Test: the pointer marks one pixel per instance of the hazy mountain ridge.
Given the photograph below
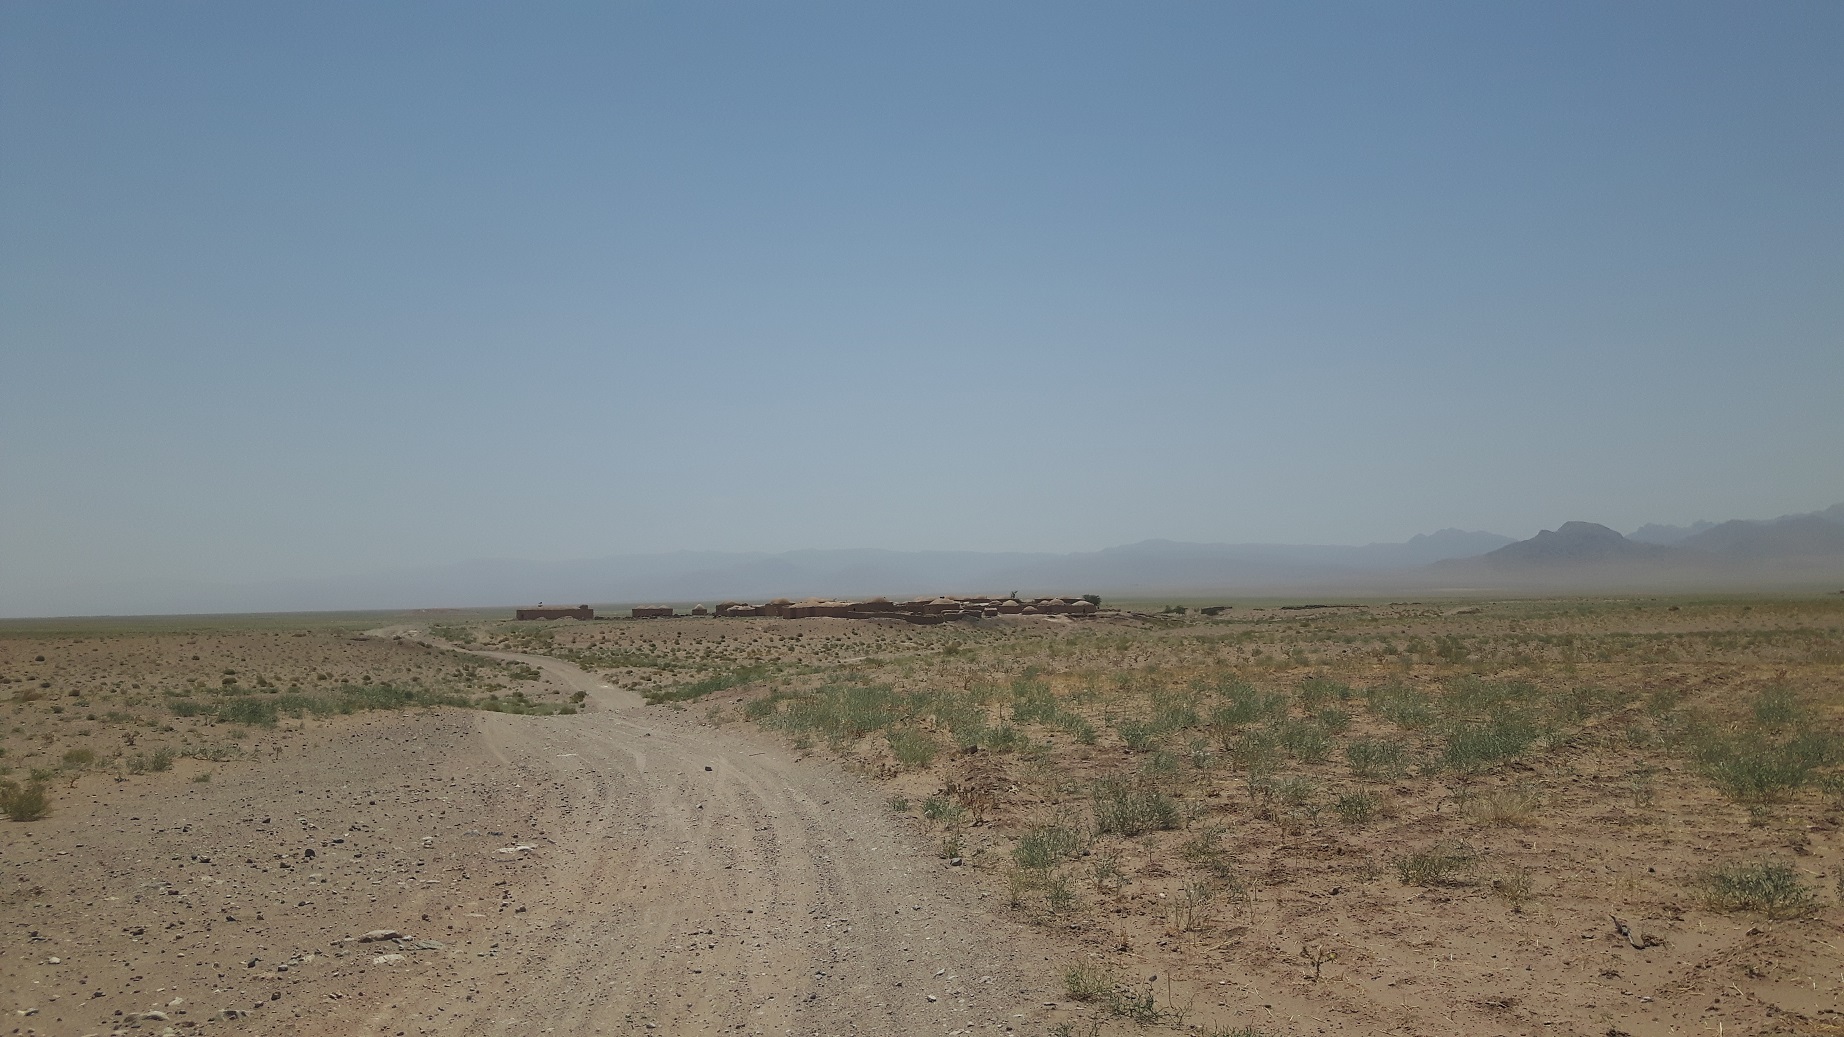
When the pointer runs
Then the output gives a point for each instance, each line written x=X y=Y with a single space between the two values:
x=1150 y=565
x=1654 y=533
x=1574 y=543
x=1791 y=550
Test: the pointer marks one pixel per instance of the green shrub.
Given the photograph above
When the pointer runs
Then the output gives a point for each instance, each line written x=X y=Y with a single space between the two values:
x=1317 y=691
x=247 y=711
x=1253 y=752
x=1002 y=739
x=912 y=748
x=1776 y=707
x=158 y=760
x=1205 y=845
x=938 y=808
x=1075 y=725
x=1046 y=846
x=1476 y=696
x=1175 y=710
x=1335 y=719
x=1768 y=887
x=1472 y=747
x=1377 y=758
x=349 y=698
x=1754 y=767
x=212 y=753
x=1401 y=704
x=1032 y=701
x=1517 y=888
x=1124 y=808
x=843 y=710
x=700 y=688
x=1304 y=740
x=1356 y=808
x=79 y=757
x=1087 y=983
x=27 y=802
x=1140 y=735
x=1244 y=706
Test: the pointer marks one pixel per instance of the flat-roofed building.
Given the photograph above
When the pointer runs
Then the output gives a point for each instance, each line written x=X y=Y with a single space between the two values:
x=555 y=612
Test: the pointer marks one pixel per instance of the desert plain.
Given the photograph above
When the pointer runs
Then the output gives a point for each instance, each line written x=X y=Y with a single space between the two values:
x=1605 y=816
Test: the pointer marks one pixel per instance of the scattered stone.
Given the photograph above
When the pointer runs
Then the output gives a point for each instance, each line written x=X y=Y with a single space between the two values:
x=380 y=935
x=387 y=959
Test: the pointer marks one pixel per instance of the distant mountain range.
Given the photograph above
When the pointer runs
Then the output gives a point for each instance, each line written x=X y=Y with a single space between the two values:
x=1787 y=551
x=1794 y=551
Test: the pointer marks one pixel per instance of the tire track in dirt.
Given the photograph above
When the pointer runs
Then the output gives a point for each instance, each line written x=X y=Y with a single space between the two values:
x=703 y=881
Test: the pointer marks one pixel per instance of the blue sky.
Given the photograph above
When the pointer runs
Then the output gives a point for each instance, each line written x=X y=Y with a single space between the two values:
x=307 y=289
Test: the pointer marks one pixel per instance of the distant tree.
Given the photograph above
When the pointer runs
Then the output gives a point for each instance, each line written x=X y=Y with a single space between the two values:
x=1092 y=599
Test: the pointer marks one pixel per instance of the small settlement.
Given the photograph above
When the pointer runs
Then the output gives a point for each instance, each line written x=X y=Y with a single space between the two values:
x=556 y=612
x=921 y=610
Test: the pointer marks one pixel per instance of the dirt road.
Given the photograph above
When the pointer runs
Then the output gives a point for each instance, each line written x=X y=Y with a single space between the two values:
x=704 y=881
x=626 y=870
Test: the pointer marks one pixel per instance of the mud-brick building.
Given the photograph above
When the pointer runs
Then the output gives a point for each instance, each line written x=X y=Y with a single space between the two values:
x=556 y=612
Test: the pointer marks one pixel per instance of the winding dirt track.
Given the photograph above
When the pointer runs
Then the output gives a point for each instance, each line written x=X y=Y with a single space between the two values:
x=703 y=881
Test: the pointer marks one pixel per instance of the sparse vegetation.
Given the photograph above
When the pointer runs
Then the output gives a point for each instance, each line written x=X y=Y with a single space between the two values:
x=1124 y=807
x=1045 y=846
x=1508 y=806
x=1517 y=888
x=1377 y=759
x=27 y=802
x=1087 y=983
x=1768 y=759
x=155 y=762
x=1182 y=785
x=1357 y=809
x=1444 y=864
x=1771 y=888
x=912 y=748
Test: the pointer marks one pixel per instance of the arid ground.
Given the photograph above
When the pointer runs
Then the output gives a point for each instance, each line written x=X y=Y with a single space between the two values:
x=1598 y=817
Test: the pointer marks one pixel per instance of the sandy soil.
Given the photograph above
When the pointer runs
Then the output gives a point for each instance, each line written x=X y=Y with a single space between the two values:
x=201 y=869
x=618 y=871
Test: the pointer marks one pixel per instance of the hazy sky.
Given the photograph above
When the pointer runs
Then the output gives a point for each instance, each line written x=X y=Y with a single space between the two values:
x=294 y=289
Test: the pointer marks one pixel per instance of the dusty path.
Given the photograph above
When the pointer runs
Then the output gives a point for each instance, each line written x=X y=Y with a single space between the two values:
x=702 y=881
x=626 y=870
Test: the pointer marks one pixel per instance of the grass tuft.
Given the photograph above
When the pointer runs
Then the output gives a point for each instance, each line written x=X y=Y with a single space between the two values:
x=1125 y=808
x=1444 y=864
x=1771 y=888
